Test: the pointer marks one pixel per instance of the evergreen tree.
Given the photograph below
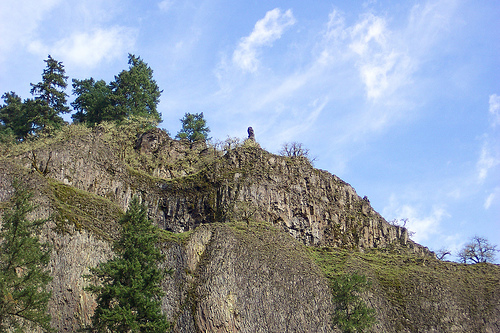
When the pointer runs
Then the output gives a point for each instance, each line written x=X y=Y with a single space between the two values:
x=135 y=92
x=23 y=272
x=51 y=89
x=194 y=127
x=129 y=298
x=351 y=314
x=11 y=109
x=93 y=102
x=13 y=117
x=50 y=96
x=40 y=114
x=6 y=134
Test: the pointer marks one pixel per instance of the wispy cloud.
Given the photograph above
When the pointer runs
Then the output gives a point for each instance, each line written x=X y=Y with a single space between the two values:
x=165 y=5
x=82 y=37
x=265 y=32
x=367 y=71
x=427 y=23
x=89 y=49
x=491 y=198
x=18 y=21
x=382 y=61
x=495 y=109
x=423 y=225
x=377 y=58
x=308 y=118
x=488 y=160
x=488 y=164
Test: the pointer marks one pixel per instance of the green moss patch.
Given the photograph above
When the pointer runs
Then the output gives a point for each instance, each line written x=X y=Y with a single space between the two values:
x=172 y=237
x=84 y=210
x=420 y=289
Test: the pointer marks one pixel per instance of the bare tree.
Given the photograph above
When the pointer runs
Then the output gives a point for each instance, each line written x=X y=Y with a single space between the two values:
x=246 y=211
x=477 y=250
x=294 y=149
x=442 y=253
x=231 y=143
x=402 y=223
x=43 y=170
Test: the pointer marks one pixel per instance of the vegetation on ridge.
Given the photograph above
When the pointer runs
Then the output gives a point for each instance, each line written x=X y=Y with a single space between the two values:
x=194 y=127
x=20 y=120
x=402 y=279
x=477 y=250
x=134 y=93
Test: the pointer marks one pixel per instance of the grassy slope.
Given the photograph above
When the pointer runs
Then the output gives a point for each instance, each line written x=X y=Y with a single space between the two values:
x=420 y=293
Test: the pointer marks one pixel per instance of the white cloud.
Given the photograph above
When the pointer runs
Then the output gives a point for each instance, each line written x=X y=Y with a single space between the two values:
x=78 y=32
x=428 y=22
x=304 y=123
x=342 y=63
x=386 y=59
x=382 y=60
x=265 y=32
x=372 y=30
x=489 y=200
x=452 y=243
x=423 y=226
x=89 y=49
x=378 y=54
x=487 y=161
x=19 y=20
x=165 y=5
x=495 y=109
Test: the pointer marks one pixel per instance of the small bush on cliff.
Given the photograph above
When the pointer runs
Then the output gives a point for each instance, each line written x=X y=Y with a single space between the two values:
x=23 y=268
x=351 y=314
x=129 y=298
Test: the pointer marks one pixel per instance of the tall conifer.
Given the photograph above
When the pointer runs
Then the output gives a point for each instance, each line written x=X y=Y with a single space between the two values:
x=50 y=97
x=135 y=92
x=129 y=298
x=23 y=272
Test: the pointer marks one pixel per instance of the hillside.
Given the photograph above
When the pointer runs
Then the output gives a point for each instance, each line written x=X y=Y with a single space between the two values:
x=251 y=238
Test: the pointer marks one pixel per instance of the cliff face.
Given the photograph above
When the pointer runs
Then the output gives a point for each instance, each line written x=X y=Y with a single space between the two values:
x=237 y=279
x=186 y=185
x=250 y=237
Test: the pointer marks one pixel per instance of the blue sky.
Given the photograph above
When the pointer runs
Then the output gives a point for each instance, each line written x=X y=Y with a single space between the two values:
x=399 y=99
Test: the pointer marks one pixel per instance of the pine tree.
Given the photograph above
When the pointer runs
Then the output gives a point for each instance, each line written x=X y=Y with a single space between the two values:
x=351 y=314
x=50 y=97
x=135 y=92
x=93 y=102
x=51 y=89
x=194 y=127
x=23 y=272
x=129 y=298
x=13 y=117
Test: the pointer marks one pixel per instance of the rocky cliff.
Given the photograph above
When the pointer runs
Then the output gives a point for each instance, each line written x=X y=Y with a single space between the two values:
x=251 y=238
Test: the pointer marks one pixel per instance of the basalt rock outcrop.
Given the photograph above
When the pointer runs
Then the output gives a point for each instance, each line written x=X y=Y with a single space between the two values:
x=186 y=185
x=249 y=236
